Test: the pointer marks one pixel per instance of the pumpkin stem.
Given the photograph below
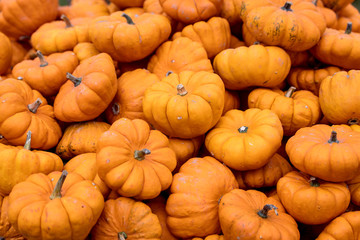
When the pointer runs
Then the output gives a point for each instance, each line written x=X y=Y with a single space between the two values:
x=314 y=182
x=287 y=6
x=181 y=90
x=140 y=154
x=27 y=145
x=1 y=136
x=107 y=2
x=256 y=43
x=264 y=212
x=243 y=129
x=315 y=2
x=33 y=107
x=74 y=79
x=43 y=62
x=128 y=19
x=353 y=121
x=333 y=137
x=20 y=78
x=348 y=28
x=290 y=91
x=66 y=20
x=115 y=108
x=122 y=236
x=57 y=189
x=168 y=73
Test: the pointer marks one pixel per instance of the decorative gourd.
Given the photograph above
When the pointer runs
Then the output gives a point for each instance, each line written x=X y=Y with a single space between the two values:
x=196 y=191
x=6 y=53
x=89 y=90
x=7 y=231
x=232 y=100
x=84 y=8
x=230 y=11
x=181 y=54
x=122 y=4
x=319 y=151
x=299 y=59
x=129 y=96
x=336 y=4
x=235 y=42
x=134 y=160
x=22 y=110
x=80 y=138
x=252 y=215
x=85 y=50
x=354 y=187
x=124 y=218
x=295 y=109
x=212 y=236
x=52 y=207
x=310 y=200
x=263 y=66
x=245 y=140
x=185 y=105
x=126 y=39
x=19 y=51
x=46 y=73
x=329 y=14
x=347 y=14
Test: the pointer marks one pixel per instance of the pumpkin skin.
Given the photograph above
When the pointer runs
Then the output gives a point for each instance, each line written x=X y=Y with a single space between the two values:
x=85 y=50
x=345 y=226
x=22 y=110
x=312 y=201
x=181 y=54
x=245 y=140
x=136 y=221
x=349 y=13
x=87 y=95
x=192 y=206
x=241 y=218
x=46 y=74
x=295 y=109
x=6 y=53
x=336 y=5
x=134 y=160
x=185 y=105
x=263 y=66
x=19 y=51
x=354 y=187
x=7 y=231
x=339 y=98
x=80 y=138
x=84 y=8
x=22 y=17
x=319 y=152
x=211 y=237
x=232 y=100
x=295 y=26
x=128 y=100
x=119 y=36
x=122 y=4
x=69 y=215
x=189 y=11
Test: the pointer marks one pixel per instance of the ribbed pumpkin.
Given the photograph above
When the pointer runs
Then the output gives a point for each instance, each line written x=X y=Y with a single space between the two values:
x=354 y=187
x=6 y=54
x=347 y=14
x=85 y=50
x=211 y=237
x=232 y=100
x=84 y=8
x=185 y=105
x=336 y=4
x=7 y=231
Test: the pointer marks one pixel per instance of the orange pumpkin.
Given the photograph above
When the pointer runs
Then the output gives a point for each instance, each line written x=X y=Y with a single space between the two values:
x=85 y=50
x=211 y=237
x=84 y=8
x=336 y=4
x=232 y=101
x=185 y=105
x=7 y=231
x=347 y=14
x=312 y=201
x=6 y=53
x=230 y=11
x=122 y=4
x=196 y=191
x=134 y=160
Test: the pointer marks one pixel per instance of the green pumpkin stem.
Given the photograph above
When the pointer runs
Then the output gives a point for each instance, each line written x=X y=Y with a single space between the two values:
x=140 y=154
x=33 y=107
x=115 y=108
x=66 y=20
x=122 y=236
x=128 y=19
x=314 y=182
x=333 y=137
x=56 y=193
x=181 y=90
x=27 y=144
x=43 y=62
x=264 y=212
x=74 y=79
x=348 y=29
x=168 y=73
x=287 y=6
x=243 y=129
x=290 y=92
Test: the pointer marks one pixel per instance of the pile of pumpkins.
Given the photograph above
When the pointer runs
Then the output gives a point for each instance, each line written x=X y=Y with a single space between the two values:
x=179 y=119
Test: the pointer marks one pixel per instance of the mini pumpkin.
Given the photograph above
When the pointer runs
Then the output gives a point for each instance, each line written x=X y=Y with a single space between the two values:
x=84 y=8
x=7 y=231
x=232 y=100
x=347 y=14
x=336 y=4
x=6 y=54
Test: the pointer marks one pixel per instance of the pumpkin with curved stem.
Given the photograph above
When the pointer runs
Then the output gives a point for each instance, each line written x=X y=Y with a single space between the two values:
x=252 y=215
x=245 y=140
x=6 y=54
x=46 y=73
x=134 y=160
x=181 y=54
x=89 y=90
x=52 y=207
x=263 y=66
x=84 y=8
x=22 y=110
x=136 y=221
x=185 y=105
x=7 y=231
x=295 y=109
x=196 y=191
x=310 y=200
x=129 y=96
x=126 y=39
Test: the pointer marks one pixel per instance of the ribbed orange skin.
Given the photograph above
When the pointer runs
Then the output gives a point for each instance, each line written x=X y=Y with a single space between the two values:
x=310 y=152
x=71 y=216
x=349 y=13
x=119 y=168
x=22 y=17
x=7 y=231
x=239 y=218
x=84 y=8
x=122 y=4
x=6 y=53
x=336 y=5
x=85 y=50
x=312 y=204
x=211 y=237
x=196 y=190
x=16 y=119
